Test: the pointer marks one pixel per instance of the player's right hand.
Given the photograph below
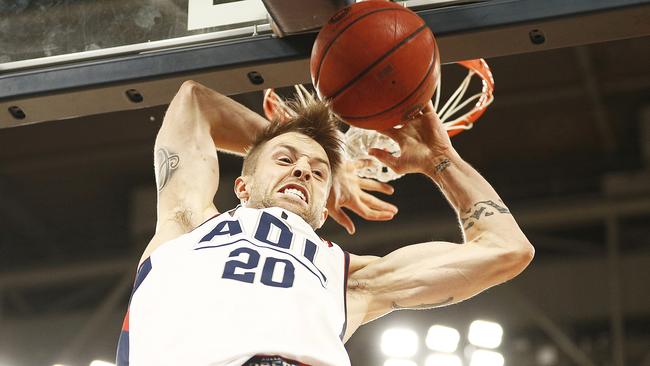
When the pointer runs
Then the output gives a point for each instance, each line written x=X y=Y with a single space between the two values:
x=423 y=141
x=351 y=192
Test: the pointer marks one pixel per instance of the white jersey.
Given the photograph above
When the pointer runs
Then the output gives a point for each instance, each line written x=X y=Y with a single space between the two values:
x=246 y=283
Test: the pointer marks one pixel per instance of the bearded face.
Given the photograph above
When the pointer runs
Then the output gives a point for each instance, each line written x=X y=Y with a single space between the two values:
x=292 y=172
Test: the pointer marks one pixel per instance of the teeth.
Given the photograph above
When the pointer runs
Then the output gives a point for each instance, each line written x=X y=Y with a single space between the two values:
x=295 y=192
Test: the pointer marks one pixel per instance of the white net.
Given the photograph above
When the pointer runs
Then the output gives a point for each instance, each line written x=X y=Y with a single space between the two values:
x=357 y=143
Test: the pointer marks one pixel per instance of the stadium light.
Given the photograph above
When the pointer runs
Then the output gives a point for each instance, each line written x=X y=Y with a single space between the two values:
x=399 y=362
x=442 y=339
x=483 y=357
x=101 y=363
x=485 y=334
x=547 y=355
x=399 y=342
x=442 y=359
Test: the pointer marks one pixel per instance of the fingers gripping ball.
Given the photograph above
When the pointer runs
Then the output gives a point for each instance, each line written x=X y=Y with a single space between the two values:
x=377 y=63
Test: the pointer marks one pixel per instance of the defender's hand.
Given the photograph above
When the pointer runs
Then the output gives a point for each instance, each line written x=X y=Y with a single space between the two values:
x=422 y=141
x=349 y=191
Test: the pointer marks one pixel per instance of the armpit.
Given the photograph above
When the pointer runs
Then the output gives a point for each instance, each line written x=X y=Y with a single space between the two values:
x=183 y=218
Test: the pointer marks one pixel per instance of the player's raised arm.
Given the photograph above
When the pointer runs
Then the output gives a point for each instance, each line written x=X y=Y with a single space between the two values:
x=434 y=274
x=198 y=122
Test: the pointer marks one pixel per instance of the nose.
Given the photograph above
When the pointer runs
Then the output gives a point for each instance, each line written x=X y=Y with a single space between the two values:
x=302 y=170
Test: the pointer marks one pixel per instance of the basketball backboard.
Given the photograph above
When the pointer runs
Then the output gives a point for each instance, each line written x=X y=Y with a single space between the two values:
x=74 y=58
x=51 y=33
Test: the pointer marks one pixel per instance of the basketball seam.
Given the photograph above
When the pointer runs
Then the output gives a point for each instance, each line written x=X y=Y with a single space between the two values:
x=326 y=50
x=431 y=66
x=376 y=62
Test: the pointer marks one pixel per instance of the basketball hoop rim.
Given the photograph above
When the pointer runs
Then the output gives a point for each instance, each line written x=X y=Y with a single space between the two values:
x=480 y=68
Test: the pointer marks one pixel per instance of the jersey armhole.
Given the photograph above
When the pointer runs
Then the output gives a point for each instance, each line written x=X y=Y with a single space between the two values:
x=346 y=273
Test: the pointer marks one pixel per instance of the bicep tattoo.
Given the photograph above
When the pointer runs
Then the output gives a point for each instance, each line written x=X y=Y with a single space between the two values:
x=448 y=301
x=481 y=209
x=166 y=163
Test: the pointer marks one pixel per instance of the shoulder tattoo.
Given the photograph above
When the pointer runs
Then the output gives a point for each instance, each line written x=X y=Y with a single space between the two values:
x=166 y=162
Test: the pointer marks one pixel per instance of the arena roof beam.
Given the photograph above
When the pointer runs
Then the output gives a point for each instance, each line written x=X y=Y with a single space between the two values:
x=466 y=31
x=14 y=209
x=66 y=273
x=592 y=88
x=567 y=92
x=540 y=216
x=616 y=320
x=531 y=217
x=563 y=244
x=550 y=327
x=97 y=319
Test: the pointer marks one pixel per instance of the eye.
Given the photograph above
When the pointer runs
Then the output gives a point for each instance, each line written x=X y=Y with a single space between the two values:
x=285 y=159
x=318 y=173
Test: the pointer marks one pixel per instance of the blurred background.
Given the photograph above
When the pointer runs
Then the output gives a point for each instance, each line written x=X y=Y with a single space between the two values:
x=566 y=144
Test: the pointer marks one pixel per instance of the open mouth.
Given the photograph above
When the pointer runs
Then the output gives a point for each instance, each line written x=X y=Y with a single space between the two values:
x=295 y=190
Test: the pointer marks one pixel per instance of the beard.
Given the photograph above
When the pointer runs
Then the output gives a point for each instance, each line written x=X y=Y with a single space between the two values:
x=311 y=214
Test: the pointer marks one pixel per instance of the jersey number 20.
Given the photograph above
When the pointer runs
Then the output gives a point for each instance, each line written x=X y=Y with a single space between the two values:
x=252 y=261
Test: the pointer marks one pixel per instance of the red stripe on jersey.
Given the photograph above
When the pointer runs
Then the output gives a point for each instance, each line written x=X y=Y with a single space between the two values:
x=329 y=243
x=125 y=324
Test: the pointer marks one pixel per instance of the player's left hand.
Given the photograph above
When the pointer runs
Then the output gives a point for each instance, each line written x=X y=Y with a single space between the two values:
x=423 y=141
x=349 y=191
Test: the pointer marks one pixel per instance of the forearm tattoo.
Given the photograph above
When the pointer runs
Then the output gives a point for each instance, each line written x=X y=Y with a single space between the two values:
x=481 y=209
x=444 y=164
x=166 y=163
x=396 y=306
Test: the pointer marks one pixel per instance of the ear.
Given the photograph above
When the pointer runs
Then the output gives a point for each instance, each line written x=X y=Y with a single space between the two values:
x=240 y=187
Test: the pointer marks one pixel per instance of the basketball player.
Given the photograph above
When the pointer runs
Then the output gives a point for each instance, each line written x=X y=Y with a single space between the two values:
x=255 y=285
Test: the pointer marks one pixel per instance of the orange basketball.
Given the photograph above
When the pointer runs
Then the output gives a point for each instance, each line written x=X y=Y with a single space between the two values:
x=377 y=63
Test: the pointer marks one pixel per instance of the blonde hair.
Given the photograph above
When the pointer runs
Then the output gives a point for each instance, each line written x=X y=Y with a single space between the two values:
x=303 y=114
